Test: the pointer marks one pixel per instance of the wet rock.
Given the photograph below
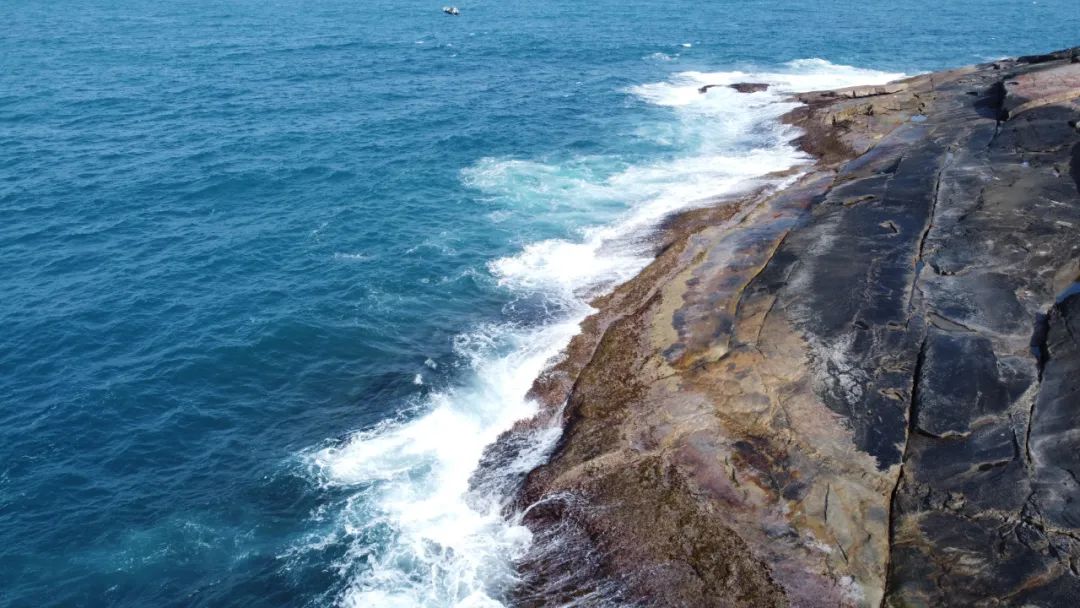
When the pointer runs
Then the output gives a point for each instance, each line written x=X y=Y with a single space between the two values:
x=1056 y=420
x=958 y=367
x=749 y=87
x=742 y=87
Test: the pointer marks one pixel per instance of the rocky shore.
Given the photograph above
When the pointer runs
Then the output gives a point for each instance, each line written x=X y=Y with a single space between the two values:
x=860 y=390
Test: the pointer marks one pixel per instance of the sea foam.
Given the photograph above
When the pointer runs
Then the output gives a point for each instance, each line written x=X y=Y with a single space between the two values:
x=418 y=534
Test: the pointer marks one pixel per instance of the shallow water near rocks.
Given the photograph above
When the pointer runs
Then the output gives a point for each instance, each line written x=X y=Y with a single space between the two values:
x=274 y=273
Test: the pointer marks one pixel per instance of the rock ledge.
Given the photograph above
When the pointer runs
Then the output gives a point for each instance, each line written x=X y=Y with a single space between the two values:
x=861 y=390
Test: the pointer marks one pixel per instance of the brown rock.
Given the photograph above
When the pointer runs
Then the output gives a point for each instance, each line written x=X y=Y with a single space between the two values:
x=1056 y=85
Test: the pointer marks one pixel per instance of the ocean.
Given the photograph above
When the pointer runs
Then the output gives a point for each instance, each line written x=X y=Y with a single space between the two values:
x=274 y=273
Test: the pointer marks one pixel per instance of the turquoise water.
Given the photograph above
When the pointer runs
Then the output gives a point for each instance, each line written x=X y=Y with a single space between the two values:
x=274 y=273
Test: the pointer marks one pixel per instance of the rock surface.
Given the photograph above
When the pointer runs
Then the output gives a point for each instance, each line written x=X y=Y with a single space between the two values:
x=861 y=390
x=741 y=87
x=749 y=87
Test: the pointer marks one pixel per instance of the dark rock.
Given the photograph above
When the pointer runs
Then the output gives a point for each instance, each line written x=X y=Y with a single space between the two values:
x=1056 y=420
x=749 y=87
x=742 y=87
x=958 y=367
x=1067 y=55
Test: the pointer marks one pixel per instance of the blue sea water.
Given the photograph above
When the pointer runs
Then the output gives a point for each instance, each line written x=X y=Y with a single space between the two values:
x=272 y=274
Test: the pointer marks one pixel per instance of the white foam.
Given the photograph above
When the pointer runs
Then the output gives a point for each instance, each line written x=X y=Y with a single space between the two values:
x=415 y=475
x=728 y=141
x=797 y=76
x=417 y=534
x=354 y=257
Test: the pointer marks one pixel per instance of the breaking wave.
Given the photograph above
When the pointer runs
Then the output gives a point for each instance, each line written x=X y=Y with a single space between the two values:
x=418 y=535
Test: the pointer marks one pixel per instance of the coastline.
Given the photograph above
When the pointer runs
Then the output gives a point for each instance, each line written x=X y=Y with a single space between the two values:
x=768 y=413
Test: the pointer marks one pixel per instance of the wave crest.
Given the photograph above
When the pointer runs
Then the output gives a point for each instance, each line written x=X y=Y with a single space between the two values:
x=418 y=534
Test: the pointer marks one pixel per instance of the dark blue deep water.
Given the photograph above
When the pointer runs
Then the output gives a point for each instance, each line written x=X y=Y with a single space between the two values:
x=273 y=272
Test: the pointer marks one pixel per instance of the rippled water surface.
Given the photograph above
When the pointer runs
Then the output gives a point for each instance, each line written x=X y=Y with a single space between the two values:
x=273 y=273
